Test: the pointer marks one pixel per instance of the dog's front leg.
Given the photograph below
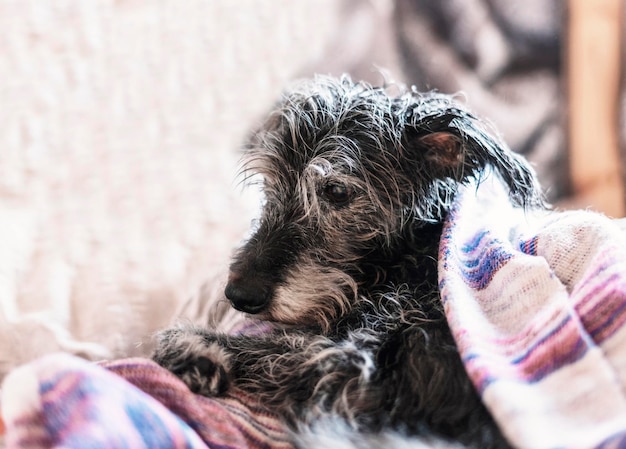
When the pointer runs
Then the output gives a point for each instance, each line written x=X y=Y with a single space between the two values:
x=297 y=375
x=197 y=356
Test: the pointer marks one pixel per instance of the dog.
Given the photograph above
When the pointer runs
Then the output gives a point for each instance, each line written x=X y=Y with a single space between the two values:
x=357 y=183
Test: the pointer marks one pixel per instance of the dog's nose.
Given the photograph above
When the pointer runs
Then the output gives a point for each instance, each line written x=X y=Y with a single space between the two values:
x=247 y=295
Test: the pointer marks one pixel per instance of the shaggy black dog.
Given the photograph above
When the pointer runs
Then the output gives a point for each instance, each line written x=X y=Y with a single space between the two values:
x=357 y=183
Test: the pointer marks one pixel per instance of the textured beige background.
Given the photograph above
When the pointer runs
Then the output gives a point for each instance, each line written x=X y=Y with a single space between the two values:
x=119 y=124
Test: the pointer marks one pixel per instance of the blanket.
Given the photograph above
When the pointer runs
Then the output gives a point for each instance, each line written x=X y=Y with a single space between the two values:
x=536 y=301
x=63 y=401
x=537 y=304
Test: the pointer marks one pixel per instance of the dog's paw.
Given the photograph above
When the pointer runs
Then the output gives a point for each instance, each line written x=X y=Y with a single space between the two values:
x=197 y=359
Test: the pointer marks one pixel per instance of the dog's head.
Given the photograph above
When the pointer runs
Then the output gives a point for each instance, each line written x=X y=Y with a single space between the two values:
x=346 y=168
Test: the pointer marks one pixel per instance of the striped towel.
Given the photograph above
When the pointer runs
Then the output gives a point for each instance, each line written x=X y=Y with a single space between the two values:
x=537 y=304
x=536 y=301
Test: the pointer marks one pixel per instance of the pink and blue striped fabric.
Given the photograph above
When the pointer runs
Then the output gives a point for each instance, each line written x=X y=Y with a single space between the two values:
x=61 y=401
x=537 y=304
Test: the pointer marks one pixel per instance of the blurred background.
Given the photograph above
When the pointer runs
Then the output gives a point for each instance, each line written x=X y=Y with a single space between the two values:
x=121 y=123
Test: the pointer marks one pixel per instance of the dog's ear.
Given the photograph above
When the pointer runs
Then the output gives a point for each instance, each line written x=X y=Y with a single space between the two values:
x=450 y=146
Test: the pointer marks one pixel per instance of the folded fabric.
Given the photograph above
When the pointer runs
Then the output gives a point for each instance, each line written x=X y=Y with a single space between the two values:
x=537 y=304
x=62 y=401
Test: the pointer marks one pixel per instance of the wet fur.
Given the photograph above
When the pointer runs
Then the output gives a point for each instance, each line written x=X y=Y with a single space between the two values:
x=357 y=184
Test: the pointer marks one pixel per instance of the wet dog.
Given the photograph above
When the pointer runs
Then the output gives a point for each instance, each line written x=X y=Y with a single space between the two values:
x=357 y=183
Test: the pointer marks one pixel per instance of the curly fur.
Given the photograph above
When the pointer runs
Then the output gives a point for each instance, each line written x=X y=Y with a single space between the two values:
x=357 y=183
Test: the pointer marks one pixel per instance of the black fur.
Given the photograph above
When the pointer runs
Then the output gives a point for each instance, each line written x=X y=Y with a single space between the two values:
x=357 y=183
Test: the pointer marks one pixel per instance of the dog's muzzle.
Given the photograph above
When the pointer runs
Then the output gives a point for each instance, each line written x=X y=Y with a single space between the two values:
x=246 y=294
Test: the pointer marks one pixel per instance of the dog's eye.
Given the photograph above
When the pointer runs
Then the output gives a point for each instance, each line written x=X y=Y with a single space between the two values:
x=337 y=194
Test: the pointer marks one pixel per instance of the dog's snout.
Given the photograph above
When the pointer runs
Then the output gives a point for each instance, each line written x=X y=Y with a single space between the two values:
x=247 y=295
